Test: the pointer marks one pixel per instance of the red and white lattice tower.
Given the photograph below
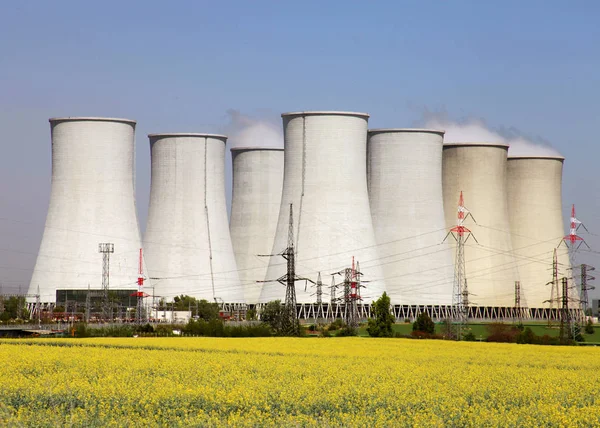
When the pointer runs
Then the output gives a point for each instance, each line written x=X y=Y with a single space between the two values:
x=460 y=293
x=573 y=241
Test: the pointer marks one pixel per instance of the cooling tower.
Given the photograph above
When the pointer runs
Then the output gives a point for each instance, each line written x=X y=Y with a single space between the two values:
x=187 y=242
x=405 y=189
x=326 y=182
x=479 y=171
x=91 y=201
x=536 y=222
x=257 y=182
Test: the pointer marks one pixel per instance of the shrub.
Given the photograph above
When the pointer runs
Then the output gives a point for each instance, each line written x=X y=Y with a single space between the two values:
x=527 y=336
x=424 y=323
x=500 y=332
x=346 y=331
x=470 y=337
x=589 y=327
x=418 y=334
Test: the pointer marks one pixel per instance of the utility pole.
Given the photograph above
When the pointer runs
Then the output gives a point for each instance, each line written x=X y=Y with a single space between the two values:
x=1 y=299
x=460 y=294
x=38 y=306
x=87 y=305
x=106 y=249
x=19 y=305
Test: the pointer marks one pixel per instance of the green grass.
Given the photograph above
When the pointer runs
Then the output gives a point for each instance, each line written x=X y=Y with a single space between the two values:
x=480 y=330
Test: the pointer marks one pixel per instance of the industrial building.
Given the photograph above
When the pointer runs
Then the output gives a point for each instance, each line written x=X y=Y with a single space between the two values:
x=187 y=243
x=256 y=196
x=404 y=172
x=479 y=171
x=536 y=225
x=92 y=201
x=325 y=181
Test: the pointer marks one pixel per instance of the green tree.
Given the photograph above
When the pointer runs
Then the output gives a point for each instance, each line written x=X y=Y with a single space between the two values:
x=272 y=314
x=424 y=323
x=203 y=309
x=207 y=310
x=14 y=308
x=251 y=314
x=381 y=323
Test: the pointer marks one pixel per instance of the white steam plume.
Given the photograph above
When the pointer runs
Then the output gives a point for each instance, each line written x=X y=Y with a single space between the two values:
x=475 y=130
x=246 y=131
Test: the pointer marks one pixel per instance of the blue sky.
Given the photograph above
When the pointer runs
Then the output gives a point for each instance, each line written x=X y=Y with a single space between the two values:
x=180 y=66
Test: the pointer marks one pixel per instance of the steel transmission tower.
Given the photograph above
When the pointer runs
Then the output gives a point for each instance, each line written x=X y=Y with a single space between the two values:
x=460 y=292
x=518 y=314
x=585 y=287
x=106 y=249
x=566 y=328
x=354 y=296
x=573 y=242
x=289 y=323
x=319 y=295
x=352 y=286
x=319 y=290
x=554 y=292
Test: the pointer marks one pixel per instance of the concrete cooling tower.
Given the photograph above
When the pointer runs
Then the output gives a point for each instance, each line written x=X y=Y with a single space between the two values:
x=404 y=173
x=187 y=243
x=536 y=222
x=91 y=202
x=325 y=179
x=479 y=171
x=257 y=182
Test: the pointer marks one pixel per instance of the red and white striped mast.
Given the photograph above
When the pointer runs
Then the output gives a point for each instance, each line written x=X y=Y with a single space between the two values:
x=139 y=313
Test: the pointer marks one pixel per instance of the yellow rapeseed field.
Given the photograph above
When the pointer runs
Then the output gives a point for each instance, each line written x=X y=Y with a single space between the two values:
x=295 y=382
